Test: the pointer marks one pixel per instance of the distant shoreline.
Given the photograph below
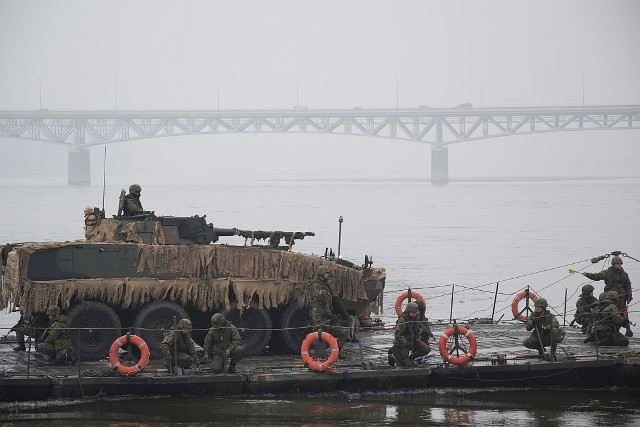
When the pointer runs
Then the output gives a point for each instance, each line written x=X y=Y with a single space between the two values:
x=455 y=179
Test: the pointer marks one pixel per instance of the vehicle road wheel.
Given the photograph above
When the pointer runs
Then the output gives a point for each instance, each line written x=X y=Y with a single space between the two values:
x=255 y=327
x=295 y=326
x=154 y=320
x=98 y=327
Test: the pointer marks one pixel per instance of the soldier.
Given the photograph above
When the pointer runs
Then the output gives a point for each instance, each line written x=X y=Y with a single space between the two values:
x=320 y=303
x=178 y=348
x=222 y=342
x=57 y=343
x=586 y=308
x=131 y=204
x=425 y=329
x=610 y=321
x=616 y=279
x=545 y=327
x=407 y=339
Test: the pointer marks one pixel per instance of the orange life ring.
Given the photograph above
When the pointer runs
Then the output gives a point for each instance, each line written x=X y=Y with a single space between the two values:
x=514 y=305
x=129 y=371
x=403 y=296
x=458 y=360
x=319 y=365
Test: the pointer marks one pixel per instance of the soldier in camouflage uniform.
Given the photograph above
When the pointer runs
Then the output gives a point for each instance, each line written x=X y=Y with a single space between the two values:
x=610 y=320
x=425 y=329
x=222 y=342
x=57 y=343
x=586 y=308
x=545 y=327
x=407 y=344
x=320 y=304
x=616 y=279
x=178 y=348
x=131 y=204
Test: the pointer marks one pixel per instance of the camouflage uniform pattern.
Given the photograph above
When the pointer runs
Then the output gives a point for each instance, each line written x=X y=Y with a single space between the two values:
x=610 y=321
x=57 y=342
x=586 y=308
x=220 y=342
x=320 y=305
x=615 y=279
x=408 y=340
x=549 y=329
x=131 y=204
x=185 y=349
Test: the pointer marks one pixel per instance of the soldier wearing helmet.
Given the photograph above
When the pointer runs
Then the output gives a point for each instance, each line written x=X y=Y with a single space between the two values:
x=222 y=342
x=57 y=342
x=610 y=319
x=407 y=343
x=178 y=347
x=545 y=329
x=616 y=279
x=586 y=309
x=319 y=302
x=131 y=204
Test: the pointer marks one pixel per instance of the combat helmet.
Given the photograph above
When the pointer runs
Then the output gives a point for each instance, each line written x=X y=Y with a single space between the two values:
x=612 y=296
x=217 y=319
x=412 y=307
x=587 y=289
x=321 y=270
x=134 y=188
x=184 y=323
x=53 y=311
x=616 y=260
x=541 y=302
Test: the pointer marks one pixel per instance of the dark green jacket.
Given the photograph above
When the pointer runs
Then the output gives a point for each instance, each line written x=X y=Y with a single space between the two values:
x=610 y=319
x=407 y=331
x=58 y=332
x=585 y=307
x=547 y=324
x=615 y=279
x=220 y=339
x=131 y=205
x=183 y=343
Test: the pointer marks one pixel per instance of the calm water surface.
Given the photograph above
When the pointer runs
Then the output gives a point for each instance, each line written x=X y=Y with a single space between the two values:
x=474 y=235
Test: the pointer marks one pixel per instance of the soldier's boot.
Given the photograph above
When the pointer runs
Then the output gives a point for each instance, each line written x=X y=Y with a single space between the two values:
x=628 y=333
x=20 y=339
x=232 y=368
x=392 y=358
x=541 y=352
x=553 y=355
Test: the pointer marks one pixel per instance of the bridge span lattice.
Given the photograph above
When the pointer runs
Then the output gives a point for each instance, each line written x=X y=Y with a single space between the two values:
x=438 y=127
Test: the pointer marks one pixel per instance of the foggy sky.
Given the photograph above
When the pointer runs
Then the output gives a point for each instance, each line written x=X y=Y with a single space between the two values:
x=173 y=55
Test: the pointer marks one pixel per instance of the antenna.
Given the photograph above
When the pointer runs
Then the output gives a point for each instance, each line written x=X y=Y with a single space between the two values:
x=339 y=234
x=104 y=177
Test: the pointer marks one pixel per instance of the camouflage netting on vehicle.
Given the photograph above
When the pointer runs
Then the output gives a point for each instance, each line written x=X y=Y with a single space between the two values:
x=206 y=274
x=113 y=230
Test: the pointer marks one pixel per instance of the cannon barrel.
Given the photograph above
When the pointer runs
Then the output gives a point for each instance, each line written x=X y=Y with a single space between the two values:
x=224 y=231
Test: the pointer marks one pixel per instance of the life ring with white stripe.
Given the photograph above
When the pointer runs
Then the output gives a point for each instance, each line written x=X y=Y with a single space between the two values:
x=517 y=314
x=405 y=295
x=458 y=360
x=320 y=365
x=126 y=370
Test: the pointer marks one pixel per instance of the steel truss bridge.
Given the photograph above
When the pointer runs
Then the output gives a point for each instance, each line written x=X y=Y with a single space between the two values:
x=439 y=127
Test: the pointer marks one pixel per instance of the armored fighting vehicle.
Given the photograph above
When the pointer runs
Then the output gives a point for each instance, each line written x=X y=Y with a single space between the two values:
x=142 y=274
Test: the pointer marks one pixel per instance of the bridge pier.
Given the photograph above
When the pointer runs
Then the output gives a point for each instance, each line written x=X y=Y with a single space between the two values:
x=439 y=164
x=79 y=166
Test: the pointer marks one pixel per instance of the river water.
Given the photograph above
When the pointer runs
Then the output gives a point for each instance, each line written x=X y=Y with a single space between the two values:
x=472 y=238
